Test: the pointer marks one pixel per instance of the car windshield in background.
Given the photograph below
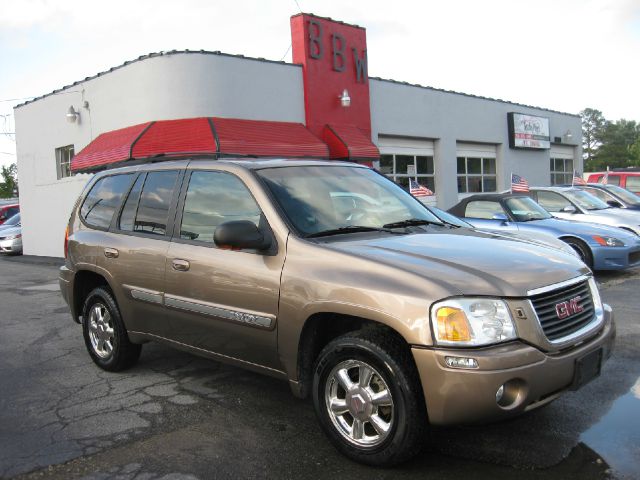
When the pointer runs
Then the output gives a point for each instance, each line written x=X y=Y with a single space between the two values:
x=330 y=199
x=526 y=209
x=624 y=194
x=13 y=221
x=585 y=200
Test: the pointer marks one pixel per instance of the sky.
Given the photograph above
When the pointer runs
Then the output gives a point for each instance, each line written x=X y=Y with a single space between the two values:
x=564 y=55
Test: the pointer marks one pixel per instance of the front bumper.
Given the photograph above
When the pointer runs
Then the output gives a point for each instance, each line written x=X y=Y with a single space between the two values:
x=615 y=258
x=534 y=378
x=11 y=246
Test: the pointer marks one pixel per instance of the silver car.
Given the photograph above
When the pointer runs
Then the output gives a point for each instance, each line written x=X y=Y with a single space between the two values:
x=11 y=235
x=575 y=204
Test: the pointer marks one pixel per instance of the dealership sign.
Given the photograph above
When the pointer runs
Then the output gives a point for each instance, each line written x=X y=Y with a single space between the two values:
x=528 y=131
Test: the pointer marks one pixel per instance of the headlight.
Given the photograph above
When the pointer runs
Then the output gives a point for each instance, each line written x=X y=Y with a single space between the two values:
x=608 y=241
x=471 y=322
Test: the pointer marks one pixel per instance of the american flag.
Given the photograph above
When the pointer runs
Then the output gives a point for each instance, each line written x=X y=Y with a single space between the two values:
x=518 y=184
x=418 y=190
x=605 y=177
x=577 y=179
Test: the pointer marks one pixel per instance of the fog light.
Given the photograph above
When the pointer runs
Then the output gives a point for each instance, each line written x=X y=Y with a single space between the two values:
x=499 y=393
x=461 y=362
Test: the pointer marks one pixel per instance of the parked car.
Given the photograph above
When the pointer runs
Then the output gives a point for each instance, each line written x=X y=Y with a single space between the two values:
x=599 y=246
x=574 y=204
x=8 y=211
x=622 y=178
x=613 y=195
x=389 y=319
x=537 y=237
x=11 y=236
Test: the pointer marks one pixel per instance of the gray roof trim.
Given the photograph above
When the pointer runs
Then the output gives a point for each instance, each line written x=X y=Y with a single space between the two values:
x=480 y=97
x=152 y=55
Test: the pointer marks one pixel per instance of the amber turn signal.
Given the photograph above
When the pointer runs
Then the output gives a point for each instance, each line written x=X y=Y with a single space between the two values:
x=453 y=325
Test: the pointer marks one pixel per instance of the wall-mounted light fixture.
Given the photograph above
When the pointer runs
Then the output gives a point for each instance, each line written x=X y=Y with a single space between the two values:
x=72 y=115
x=345 y=99
x=568 y=135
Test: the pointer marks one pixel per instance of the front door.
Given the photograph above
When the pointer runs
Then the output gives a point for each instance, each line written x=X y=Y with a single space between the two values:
x=221 y=301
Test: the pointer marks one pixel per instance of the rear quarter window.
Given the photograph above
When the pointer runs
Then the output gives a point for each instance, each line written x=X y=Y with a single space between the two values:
x=103 y=200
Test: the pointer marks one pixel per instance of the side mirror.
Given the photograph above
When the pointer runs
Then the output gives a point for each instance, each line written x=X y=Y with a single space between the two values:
x=569 y=209
x=500 y=216
x=614 y=203
x=239 y=235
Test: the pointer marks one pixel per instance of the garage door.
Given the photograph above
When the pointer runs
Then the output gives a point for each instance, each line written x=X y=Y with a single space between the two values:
x=476 y=164
x=404 y=159
x=561 y=164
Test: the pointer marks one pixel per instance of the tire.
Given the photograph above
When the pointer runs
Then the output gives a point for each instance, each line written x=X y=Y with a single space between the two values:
x=104 y=333
x=582 y=249
x=366 y=424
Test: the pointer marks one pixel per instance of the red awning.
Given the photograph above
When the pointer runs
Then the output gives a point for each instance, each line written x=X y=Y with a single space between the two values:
x=348 y=142
x=200 y=136
x=110 y=147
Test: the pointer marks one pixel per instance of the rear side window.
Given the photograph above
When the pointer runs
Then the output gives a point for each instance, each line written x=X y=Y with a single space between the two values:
x=633 y=183
x=147 y=207
x=483 y=209
x=103 y=200
x=613 y=180
x=214 y=198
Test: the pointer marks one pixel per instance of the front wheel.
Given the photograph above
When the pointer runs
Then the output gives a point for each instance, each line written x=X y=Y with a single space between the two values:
x=581 y=248
x=104 y=333
x=368 y=398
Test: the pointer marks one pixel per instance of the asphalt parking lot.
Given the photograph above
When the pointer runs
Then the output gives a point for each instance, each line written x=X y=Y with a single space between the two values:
x=176 y=416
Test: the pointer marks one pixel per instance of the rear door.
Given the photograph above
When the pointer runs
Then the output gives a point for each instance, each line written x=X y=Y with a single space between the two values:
x=221 y=301
x=135 y=249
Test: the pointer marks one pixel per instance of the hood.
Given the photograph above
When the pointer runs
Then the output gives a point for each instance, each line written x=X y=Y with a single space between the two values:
x=468 y=262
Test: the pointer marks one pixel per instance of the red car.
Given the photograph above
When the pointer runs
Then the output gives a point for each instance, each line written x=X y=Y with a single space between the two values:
x=8 y=211
x=623 y=178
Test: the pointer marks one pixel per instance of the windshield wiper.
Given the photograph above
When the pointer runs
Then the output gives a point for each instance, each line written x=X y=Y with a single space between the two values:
x=411 y=222
x=347 y=229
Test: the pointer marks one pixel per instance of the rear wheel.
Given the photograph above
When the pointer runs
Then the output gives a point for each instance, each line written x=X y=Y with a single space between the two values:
x=368 y=398
x=104 y=334
x=582 y=249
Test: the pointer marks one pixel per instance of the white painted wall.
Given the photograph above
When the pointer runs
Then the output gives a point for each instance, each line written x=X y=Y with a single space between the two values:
x=176 y=85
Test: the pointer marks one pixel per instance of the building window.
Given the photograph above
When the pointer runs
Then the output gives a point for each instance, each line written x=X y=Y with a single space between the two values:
x=561 y=171
x=476 y=174
x=63 y=161
x=402 y=168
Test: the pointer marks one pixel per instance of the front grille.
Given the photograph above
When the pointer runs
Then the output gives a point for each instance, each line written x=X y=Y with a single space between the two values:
x=546 y=307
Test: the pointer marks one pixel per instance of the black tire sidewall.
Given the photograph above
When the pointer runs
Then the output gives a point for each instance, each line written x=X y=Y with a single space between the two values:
x=583 y=248
x=103 y=296
x=398 y=383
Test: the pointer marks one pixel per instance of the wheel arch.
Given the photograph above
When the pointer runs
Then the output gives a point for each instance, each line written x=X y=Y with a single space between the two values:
x=321 y=328
x=85 y=281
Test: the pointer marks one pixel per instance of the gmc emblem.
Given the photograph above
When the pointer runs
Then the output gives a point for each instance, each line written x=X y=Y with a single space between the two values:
x=568 y=308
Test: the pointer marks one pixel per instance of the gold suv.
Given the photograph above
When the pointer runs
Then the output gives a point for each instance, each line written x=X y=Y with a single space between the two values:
x=332 y=277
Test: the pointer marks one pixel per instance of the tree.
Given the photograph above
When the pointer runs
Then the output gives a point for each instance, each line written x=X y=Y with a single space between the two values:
x=9 y=183
x=617 y=149
x=593 y=124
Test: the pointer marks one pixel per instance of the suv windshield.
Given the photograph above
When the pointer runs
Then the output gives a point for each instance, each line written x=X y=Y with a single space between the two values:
x=319 y=199
x=524 y=209
x=585 y=200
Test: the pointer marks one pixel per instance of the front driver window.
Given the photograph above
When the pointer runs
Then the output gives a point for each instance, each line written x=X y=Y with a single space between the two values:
x=483 y=209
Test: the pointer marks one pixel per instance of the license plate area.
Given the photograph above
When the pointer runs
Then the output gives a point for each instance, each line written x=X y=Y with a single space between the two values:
x=587 y=368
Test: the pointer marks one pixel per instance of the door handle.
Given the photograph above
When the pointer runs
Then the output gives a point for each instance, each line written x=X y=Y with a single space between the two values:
x=111 y=252
x=180 y=265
